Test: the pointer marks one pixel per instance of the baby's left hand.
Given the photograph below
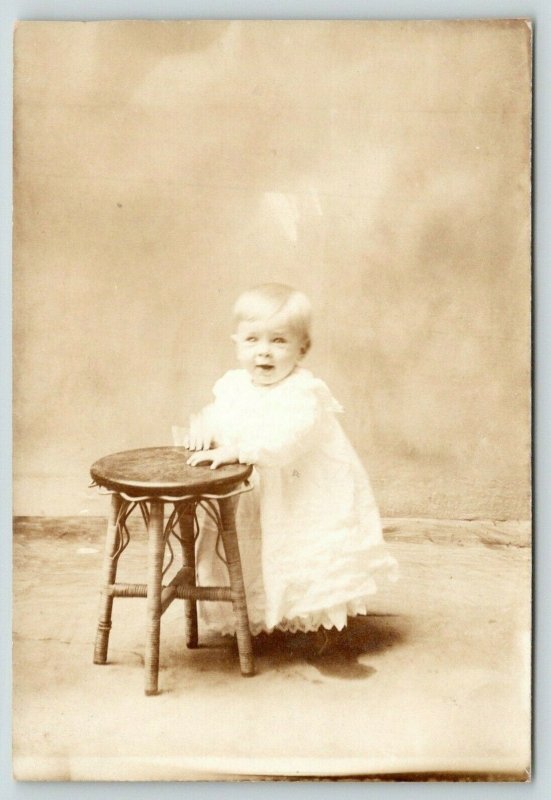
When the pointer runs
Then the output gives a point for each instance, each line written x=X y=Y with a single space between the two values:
x=218 y=457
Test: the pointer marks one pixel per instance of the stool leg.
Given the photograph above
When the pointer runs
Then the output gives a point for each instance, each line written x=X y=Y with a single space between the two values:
x=188 y=560
x=109 y=575
x=231 y=548
x=155 y=553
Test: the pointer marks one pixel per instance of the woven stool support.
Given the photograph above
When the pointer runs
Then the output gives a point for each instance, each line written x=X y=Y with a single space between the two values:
x=186 y=519
x=231 y=547
x=170 y=593
x=109 y=574
x=182 y=523
x=155 y=554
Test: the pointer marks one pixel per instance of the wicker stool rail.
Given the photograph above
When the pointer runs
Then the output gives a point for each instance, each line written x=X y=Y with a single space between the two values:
x=147 y=480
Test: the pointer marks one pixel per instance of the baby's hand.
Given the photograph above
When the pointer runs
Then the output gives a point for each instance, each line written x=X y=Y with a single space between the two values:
x=199 y=436
x=216 y=457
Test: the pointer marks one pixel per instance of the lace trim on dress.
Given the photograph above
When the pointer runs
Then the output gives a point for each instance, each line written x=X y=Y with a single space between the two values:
x=328 y=618
x=332 y=617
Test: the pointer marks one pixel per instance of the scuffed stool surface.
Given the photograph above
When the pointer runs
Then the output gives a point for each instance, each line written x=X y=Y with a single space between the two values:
x=164 y=471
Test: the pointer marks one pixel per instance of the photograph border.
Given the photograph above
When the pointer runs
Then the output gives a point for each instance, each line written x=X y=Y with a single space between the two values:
x=540 y=13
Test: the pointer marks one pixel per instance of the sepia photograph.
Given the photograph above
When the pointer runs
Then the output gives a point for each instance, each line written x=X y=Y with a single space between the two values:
x=272 y=489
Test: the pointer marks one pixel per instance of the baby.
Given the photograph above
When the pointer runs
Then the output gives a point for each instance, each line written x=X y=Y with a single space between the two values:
x=310 y=534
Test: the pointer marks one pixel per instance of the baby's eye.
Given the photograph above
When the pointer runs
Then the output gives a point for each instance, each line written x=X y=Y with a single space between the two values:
x=280 y=340
x=250 y=339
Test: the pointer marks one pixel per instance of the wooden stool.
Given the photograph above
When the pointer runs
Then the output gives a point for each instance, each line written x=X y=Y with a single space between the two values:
x=148 y=479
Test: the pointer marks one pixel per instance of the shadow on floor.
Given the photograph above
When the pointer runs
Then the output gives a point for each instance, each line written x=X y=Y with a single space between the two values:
x=333 y=653
x=336 y=653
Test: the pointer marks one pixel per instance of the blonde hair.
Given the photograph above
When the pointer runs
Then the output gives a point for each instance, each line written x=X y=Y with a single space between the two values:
x=269 y=299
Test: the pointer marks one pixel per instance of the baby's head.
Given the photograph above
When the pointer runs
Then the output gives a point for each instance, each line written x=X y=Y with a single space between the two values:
x=272 y=331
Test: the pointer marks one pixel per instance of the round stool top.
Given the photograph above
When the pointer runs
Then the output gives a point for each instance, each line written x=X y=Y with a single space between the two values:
x=155 y=471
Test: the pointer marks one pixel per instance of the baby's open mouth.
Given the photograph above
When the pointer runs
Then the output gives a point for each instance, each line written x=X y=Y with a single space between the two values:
x=265 y=367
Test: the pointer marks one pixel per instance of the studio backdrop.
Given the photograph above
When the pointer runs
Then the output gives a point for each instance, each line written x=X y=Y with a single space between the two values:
x=162 y=169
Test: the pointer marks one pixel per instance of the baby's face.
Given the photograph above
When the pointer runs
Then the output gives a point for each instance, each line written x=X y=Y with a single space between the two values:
x=268 y=349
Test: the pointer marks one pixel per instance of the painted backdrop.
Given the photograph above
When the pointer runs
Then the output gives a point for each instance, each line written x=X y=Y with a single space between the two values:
x=382 y=167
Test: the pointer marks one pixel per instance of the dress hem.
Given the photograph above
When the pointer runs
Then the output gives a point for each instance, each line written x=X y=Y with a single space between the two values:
x=335 y=617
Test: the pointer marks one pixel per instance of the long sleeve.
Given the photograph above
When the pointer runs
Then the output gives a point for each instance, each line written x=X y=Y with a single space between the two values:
x=284 y=432
x=271 y=426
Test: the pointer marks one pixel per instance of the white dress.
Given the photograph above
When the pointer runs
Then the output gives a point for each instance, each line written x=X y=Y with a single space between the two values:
x=309 y=533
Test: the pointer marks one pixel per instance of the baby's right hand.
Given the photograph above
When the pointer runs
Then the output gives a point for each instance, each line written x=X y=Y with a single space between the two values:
x=199 y=436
